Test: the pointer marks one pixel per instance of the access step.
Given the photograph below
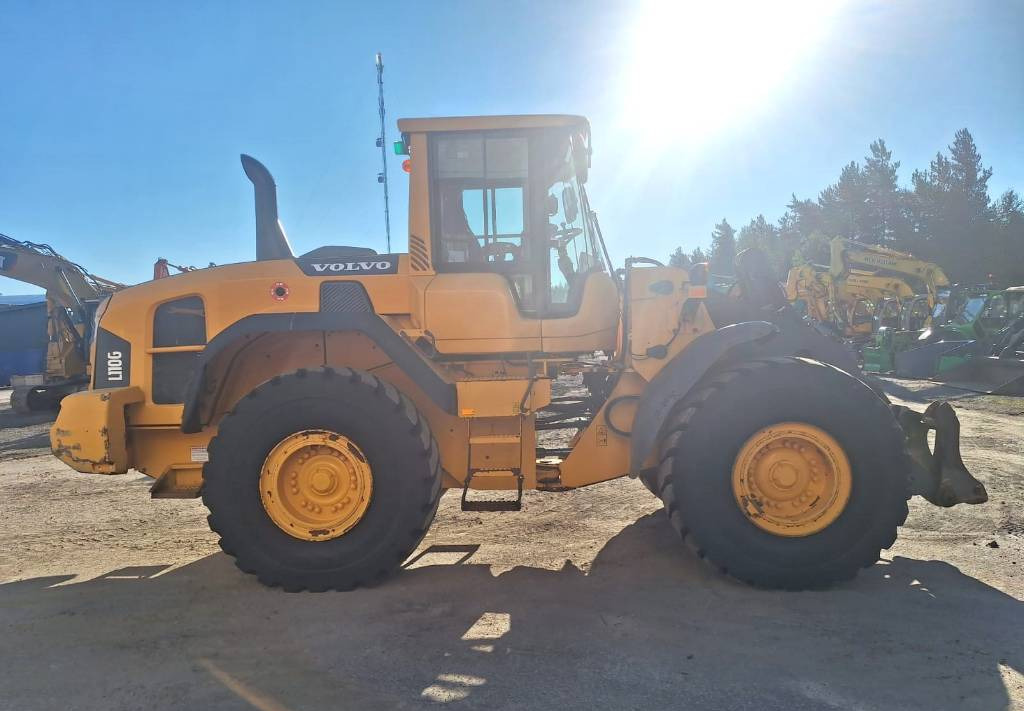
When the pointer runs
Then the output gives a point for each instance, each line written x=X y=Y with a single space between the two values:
x=493 y=504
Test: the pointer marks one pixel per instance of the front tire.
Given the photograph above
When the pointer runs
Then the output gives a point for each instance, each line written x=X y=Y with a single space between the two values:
x=835 y=451
x=347 y=416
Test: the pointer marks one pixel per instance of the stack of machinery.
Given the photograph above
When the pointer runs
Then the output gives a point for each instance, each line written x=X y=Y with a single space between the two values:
x=866 y=286
x=906 y=318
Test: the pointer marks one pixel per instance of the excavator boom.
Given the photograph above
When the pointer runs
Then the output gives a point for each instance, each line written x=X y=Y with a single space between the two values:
x=71 y=296
x=848 y=257
x=65 y=282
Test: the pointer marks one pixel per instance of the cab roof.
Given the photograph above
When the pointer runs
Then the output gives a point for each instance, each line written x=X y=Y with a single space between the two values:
x=491 y=123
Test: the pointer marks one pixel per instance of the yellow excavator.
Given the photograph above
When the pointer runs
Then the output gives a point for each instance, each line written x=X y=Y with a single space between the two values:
x=321 y=403
x=848 y=295
x=72 y=294
x=848 y=305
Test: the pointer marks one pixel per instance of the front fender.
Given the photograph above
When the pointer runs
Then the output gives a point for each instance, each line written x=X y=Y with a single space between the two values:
x=365 y=322
x=677 y=378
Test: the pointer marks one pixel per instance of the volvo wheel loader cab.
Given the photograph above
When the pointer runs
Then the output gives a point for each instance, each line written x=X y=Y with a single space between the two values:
x=320 y=404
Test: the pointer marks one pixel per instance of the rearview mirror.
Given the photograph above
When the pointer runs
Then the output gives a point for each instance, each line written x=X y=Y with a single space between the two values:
x=580 y=158
x=570 y=205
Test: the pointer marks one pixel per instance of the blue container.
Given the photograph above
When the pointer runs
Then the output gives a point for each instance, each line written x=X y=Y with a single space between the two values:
x=22 y=340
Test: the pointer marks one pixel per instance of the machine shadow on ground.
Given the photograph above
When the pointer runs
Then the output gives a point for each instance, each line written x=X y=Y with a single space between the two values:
x=646 y=626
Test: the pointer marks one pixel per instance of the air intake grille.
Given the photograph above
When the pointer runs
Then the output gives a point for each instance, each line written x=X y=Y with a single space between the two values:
x=347 y=296
x=418 y=254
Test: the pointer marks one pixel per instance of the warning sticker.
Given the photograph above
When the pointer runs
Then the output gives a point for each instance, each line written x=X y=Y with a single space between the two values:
x=199 y=454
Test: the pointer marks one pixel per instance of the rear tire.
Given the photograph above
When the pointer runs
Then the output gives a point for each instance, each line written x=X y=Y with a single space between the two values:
x=710 y=427
x=381 y=422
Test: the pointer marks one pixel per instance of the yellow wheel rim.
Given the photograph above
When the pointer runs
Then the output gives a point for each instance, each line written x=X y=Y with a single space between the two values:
x=792 y=479
x=316 y=485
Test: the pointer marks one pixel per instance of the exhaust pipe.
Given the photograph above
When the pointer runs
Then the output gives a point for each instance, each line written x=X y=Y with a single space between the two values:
x=271 y=241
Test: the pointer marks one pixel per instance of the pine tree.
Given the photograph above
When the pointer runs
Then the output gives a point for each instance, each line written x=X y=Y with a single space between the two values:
x=678 y=258
x=968 y=174
x=763 y=235
x=804 y=216
x=842 y=204
x=951 y=211
x=1008 y=242
x=946 y=217
x=1009 y=208
x=723 y=248
x=884 y=219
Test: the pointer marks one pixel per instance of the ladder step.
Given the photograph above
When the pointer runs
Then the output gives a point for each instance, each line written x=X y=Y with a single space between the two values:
x=493 y=505
x=516 y=505
x=495 y=439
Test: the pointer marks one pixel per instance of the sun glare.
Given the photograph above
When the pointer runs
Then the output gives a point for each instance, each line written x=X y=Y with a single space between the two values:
x=697 y=68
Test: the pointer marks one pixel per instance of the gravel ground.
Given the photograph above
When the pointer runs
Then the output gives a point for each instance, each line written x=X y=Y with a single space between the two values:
x=583 y=600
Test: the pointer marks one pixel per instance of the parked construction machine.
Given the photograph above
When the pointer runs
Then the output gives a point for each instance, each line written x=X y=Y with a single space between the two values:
x=976 y=343
x=321 y=404
x=850 y=306
x=72 y=294
x=984 y=344
x=866 y=286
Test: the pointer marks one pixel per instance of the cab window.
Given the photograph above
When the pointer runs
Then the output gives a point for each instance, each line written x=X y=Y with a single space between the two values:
x=994 y=315
x=511 y=203
x=572 y=252
x=176 y=323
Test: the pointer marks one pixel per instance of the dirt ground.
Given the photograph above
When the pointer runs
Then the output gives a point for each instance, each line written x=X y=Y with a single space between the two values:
x=583 y=600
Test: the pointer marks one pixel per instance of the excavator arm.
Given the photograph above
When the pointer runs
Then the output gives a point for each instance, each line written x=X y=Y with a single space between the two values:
x=71 y=291
x=65 y=282
x=833 y=299
x=851 y=261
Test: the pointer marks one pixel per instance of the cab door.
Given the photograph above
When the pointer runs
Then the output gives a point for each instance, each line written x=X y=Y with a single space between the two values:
x=518 y=269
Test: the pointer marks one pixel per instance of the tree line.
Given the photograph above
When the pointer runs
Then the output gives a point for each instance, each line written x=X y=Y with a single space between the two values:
x=945 y=216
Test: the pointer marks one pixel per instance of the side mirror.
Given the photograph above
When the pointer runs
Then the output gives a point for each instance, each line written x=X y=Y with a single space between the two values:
x=570 y=205
x=580 y=157
x=551 y=206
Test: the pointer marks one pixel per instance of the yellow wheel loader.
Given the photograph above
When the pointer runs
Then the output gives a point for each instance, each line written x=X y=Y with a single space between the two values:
x=321 y=404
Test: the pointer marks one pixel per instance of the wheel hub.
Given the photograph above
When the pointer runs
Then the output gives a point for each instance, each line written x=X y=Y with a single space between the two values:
x=316 y=485
x=792 y=479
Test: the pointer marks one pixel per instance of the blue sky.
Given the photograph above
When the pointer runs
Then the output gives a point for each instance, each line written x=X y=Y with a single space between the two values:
x=121 y=122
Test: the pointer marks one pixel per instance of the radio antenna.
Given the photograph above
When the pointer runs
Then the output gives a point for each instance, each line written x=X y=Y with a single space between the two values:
x=382 y=176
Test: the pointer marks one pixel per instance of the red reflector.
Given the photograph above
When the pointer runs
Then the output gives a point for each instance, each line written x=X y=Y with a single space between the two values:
x=697 y=292
x=407 y=165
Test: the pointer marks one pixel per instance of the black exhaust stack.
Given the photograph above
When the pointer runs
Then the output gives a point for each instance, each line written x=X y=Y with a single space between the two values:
x=271 y=241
